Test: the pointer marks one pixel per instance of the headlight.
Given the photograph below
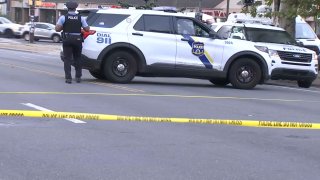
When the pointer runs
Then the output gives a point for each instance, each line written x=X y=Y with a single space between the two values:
x=274 y=54
x=262 y=48
x=315 y=57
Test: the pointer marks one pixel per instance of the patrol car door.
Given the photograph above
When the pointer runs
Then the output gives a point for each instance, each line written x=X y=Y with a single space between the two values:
x=195 y=49
x=153 y=35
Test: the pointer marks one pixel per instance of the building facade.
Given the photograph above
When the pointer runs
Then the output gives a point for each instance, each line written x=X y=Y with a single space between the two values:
x=50 y=10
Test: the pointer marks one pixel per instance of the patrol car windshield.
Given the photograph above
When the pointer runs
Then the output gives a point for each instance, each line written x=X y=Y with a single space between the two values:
x=304 y=31
x=269 y=36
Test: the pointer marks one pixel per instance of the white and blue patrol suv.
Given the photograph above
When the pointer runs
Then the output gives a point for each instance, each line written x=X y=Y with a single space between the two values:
x=125 y=43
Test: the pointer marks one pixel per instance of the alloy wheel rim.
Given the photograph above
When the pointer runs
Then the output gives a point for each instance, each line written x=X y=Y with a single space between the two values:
x=245 y=74
x=120 y=67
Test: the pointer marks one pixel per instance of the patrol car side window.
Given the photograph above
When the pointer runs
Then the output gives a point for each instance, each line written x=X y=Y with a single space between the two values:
x=237 y=32
x=189 y=27
x=154 y=23
x=139 y=26
x=185 y=27
x=224 y=32
x=108 y=20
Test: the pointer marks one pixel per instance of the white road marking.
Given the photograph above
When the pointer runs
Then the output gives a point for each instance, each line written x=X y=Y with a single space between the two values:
x=44 y=109
x=297 y=89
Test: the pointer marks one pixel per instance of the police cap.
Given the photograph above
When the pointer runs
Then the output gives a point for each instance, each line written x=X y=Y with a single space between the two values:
x=71 y=5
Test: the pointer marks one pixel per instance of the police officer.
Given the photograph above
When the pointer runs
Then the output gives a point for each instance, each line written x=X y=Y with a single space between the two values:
x=71 y=24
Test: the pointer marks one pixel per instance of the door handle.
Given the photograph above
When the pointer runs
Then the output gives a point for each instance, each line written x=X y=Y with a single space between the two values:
x=137 y=34
x=184 y=39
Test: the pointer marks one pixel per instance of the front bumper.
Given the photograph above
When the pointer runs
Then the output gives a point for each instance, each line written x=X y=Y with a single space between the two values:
x=291 y=74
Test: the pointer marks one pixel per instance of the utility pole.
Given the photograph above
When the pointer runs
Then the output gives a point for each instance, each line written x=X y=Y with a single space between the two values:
x=32 y=16
x=228 y=7
x=200 y=5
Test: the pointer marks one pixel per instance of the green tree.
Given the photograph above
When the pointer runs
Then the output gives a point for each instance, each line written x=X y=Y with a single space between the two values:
x=148 y=4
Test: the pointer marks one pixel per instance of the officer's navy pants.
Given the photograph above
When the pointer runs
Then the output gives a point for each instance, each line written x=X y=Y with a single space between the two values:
x=72 y=55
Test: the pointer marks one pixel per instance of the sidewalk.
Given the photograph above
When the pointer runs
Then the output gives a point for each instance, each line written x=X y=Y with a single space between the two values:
x=36 y=47
x=54 y=49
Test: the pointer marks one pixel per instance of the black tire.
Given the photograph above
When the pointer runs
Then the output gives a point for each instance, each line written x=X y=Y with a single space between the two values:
x=97 y=74
x=8 y=33
x=56 y=38
x=219 y=82
x=26 y=37
x=244 y=73
x=120 y=67
x=304 y=83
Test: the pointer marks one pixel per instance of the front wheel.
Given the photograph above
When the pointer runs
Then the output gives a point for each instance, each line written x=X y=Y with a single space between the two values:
x=245 y=73
x=304 y=83
x=120 y=67
x=26 y=37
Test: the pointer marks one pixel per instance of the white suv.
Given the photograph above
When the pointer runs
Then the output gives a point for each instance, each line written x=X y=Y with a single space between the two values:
x=8 y=28
x=124 y=43
x=287 y=61
x=42 y=31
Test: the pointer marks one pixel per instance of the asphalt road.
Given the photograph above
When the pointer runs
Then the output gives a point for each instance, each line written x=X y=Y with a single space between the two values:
x=40 y=148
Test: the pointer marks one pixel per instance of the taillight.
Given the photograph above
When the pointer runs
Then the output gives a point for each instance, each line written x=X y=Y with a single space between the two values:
x=85 y=34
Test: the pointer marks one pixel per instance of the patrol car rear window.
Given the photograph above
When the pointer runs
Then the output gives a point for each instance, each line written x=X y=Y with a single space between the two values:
x=154 y=23
x=106 y=20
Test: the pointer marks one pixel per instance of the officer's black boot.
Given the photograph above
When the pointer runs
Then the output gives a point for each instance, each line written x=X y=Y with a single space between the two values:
x=78 y=80
x=68 y=81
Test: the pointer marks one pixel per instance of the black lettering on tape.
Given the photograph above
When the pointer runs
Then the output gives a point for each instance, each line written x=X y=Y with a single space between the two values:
x=4 y=114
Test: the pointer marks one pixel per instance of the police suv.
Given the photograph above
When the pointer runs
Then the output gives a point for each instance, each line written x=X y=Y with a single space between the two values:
x=287 y=61
x=125 y=43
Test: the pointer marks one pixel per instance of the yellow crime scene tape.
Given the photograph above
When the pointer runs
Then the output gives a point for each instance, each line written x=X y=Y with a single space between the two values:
x=106 y=117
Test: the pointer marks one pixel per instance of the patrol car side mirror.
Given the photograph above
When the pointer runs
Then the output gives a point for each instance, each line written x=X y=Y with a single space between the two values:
x=299 y=43
x=213 y=35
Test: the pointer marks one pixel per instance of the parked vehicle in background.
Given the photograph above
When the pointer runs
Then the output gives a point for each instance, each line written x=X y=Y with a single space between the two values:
x=306 y=35
x=303 y=31
x=8 y=28
x=42 y=31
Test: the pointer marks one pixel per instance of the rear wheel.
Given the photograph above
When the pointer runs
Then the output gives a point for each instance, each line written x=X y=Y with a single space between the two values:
x=219 y=82
x=245 y=73
x=97 y=74
x=8 y=33
x=56 y=38
x=120 y=67
x=304 y=83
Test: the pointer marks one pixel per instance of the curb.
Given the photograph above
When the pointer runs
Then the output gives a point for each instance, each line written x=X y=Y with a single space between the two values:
x=316 y=83
x=26 y=47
